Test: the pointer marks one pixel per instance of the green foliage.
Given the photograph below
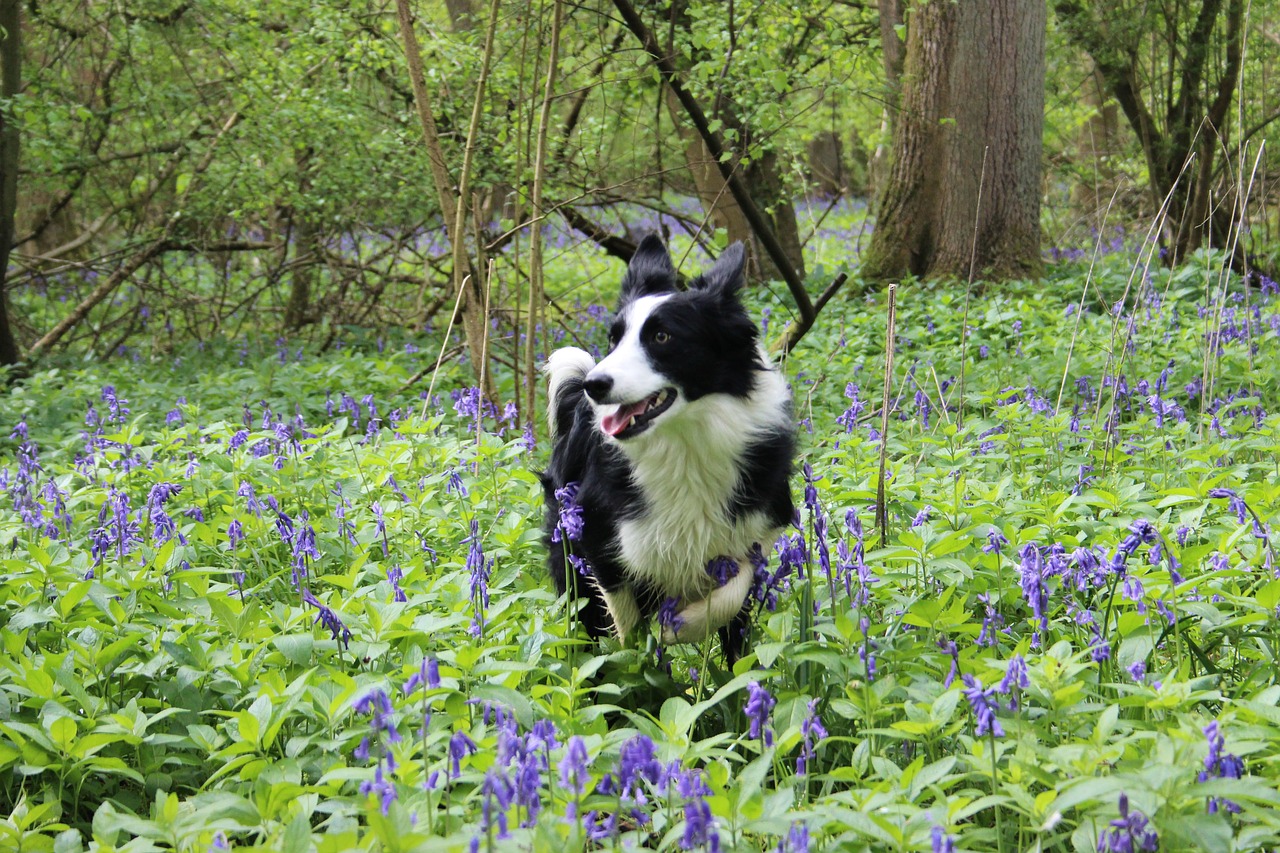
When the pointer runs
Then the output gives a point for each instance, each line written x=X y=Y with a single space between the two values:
x=165 y=683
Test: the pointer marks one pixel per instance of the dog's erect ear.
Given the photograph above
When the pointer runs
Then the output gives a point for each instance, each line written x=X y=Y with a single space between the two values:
x=650 y=271
x=725 y=276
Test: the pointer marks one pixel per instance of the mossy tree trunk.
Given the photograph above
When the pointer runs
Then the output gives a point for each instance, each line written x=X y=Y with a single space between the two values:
x=972 y=89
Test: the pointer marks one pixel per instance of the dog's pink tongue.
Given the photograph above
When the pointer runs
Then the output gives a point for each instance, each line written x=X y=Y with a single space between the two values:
x=617 y=420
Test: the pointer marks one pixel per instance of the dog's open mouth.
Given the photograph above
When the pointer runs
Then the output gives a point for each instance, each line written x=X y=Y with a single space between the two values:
x=631 y=419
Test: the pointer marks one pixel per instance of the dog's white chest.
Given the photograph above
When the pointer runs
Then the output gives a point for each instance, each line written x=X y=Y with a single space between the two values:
x=688 y=484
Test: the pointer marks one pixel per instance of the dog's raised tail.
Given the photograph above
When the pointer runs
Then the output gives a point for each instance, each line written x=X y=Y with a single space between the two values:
x=565 y=370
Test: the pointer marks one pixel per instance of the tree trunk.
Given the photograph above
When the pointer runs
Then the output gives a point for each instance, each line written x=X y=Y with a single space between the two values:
x=10 y=72
x=305 y=254
x=973 y=90
x=764 y=184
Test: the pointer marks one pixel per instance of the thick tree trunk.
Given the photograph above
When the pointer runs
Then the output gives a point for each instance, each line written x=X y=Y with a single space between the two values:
x=973 y=88
x=11 y=72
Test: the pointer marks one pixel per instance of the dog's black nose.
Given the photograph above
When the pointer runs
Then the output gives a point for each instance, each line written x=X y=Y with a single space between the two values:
x=597 y=387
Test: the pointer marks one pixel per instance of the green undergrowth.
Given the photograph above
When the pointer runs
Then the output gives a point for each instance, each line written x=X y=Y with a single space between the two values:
x=278 y=600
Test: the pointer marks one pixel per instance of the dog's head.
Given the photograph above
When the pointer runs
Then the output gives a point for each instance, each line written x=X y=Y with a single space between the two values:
x=670 y=348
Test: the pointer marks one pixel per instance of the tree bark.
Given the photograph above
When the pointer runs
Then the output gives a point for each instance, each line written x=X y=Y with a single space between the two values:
x=306 y=256
x=10 y=85
x=973 y=91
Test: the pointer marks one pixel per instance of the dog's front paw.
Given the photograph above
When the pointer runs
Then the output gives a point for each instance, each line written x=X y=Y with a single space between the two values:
x=699 y=618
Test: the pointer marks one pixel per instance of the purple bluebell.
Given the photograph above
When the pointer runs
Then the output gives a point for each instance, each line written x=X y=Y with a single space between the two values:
x=1016 y=679
x=1220 y=765
x=479 y=569
x=574 y=773
x=981 y=702
x=1129 y=833
x=940 y=841
x=1034 y=590
x=330 y=620
x=460 y=746
x=699 y=826
x=569 y=519
x=995 y=541
x=811 y=732
x=758 y=708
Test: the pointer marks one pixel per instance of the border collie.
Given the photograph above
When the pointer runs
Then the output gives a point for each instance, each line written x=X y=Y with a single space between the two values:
x=674 y=451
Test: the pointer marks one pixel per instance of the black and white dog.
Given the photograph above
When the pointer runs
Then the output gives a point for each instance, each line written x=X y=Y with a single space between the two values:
x=680 y=443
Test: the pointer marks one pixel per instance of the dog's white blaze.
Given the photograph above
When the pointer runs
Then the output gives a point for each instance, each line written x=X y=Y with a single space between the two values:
x=680 y=465
x=628 y=365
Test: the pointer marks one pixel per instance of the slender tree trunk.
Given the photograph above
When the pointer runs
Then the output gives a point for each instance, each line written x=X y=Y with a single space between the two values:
x=10 y=85
x=973 y=89
x=305 y=254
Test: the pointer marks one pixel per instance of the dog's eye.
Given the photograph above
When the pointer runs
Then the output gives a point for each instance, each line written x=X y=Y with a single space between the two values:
x=661 y=338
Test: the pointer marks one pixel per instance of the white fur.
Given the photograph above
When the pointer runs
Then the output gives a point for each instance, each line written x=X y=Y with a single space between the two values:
x=700 y=618
x=679 y=464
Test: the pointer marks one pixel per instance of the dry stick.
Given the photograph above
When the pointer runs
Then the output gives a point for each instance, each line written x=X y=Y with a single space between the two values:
x=453 y=315
x=535 y=203
x=882 y=507
x=1088 y=278
x=130 y=266
x=1157 y=225
x=968 y=288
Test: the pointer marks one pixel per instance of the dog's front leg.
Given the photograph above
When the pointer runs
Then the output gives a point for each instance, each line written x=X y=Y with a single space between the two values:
x=622 y=609
x=700 y=618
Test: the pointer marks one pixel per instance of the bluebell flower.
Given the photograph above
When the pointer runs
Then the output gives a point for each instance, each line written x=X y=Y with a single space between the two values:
x=699 y=826
x=942 y=843
x=1129 y=833
x=797 y=840
x=981 y=702
x=569 y=519
x=428 y=675
x=995 y=541
x=1034 y=590
x=1220 y=765
x=811 y=732
x=758 y=708
x=460 y=746
x=330 y=620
